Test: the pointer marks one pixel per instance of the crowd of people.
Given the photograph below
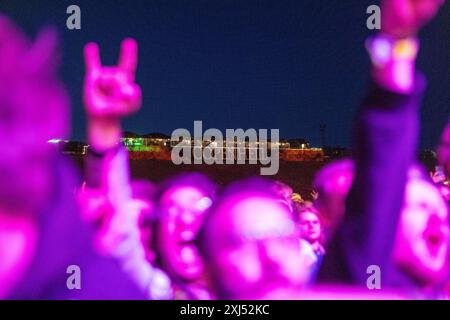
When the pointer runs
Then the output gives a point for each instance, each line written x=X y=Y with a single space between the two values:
x=187 y=238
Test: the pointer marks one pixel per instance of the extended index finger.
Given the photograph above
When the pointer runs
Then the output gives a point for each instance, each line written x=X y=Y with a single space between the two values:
x=92 y=56
x=128 y=56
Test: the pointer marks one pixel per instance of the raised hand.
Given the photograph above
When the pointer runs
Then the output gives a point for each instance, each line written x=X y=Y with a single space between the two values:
x=110 y=92
x=405 y=18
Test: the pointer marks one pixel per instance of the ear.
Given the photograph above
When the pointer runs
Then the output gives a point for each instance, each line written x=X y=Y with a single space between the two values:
x=43 y=56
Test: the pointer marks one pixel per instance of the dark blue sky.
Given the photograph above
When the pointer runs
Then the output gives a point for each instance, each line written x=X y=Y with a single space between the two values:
x=287 y=64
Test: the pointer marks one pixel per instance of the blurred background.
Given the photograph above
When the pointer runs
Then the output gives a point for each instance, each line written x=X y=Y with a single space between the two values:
x=287 y=64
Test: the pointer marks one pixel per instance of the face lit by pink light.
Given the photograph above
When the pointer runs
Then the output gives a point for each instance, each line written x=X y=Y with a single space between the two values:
x=254 y=246
x=309 y=226
x=423 y=233
x=183 y=211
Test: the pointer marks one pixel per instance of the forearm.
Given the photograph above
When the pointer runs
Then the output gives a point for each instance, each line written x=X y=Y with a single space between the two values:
x=103 y=134
x=386 y=135
x=106 y=165
x=107 y=197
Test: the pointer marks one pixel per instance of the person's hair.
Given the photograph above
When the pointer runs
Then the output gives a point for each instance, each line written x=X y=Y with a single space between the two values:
x=307 y=207
x=191 y=179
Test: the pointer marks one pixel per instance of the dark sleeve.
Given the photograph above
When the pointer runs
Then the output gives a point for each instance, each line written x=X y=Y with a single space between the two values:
x=385 y=138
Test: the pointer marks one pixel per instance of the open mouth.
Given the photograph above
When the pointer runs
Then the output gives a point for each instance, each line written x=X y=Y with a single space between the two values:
x=187 y=237
x=434 y=240
x=187 y=246
x=188 y=258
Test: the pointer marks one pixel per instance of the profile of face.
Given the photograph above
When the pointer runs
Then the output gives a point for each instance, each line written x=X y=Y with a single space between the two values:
x=423 y=233
x=182 y=211
x=252 y=247
x=309 y=226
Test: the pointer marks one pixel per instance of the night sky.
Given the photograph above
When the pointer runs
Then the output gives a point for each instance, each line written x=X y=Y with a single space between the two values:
x=287 y=64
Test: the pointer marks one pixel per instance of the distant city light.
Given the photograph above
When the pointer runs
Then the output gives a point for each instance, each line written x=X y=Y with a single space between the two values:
x=55 y=141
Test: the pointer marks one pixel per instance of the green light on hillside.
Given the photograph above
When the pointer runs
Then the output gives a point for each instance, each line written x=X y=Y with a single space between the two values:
x=134 y=142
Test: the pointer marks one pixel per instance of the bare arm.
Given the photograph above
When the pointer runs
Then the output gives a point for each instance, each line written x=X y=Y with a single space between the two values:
x=110 y=95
